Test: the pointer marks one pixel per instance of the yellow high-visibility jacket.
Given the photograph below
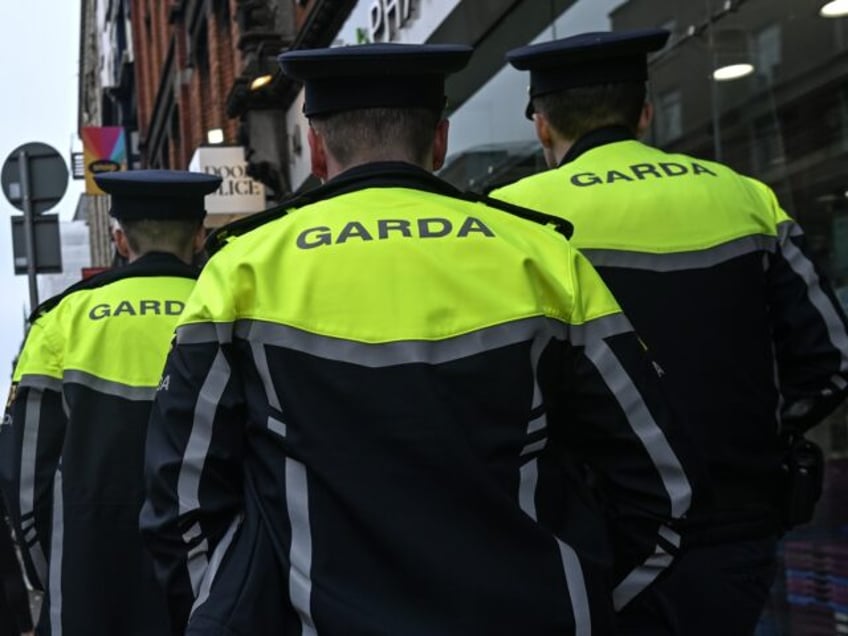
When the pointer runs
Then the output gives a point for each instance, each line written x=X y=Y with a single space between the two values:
x=717 y=281
x=74 y=438
x=376 y=416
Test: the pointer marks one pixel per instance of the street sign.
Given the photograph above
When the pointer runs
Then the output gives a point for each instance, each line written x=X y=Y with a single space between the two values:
x=48 y=253
x=48 y=177
x=34 y=177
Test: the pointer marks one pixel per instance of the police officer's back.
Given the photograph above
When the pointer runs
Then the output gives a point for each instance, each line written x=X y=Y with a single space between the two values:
x=715 y=278
x=85 y=381
x=382 y=392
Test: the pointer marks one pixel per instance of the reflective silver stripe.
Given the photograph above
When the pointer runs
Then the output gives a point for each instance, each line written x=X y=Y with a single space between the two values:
x=29 y=531
x=277 y=426
x=598 y=329
x=260 y=359
x=194 y=457
x=678 y=261
x=188 y=482
x=197 y=562
x=108 y=387
x=670 y=535
x=640 y=578
x=300 y=551
x=192 y=532
x=839 y=382
x=653 y=439
x=778 y=408
x=642 y=422
x=576 y=590
x=56 y=544
x=537 y=424
x=528 y=477
x=420 y=351
x=41 y=382
x=26 y=485
x=205 y=332
x=804 y=268
x=215 y=563
x=788 y=228
x=534 y=447
x=401 y=352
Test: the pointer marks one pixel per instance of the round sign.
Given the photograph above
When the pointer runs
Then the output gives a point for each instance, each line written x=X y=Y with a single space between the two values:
x=48 y=176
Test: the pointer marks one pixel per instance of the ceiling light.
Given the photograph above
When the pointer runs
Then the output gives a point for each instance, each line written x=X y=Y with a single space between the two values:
x=732 y=72
x=215 y=136
x=259 y=82
x=834 y=9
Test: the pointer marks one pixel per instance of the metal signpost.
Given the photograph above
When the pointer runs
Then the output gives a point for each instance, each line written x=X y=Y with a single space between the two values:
x=34 y=178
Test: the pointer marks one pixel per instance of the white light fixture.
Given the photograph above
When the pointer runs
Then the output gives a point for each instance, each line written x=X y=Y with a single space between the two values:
x=732 y=72
x=834 y=9
x=215 y=136
x=259 y=82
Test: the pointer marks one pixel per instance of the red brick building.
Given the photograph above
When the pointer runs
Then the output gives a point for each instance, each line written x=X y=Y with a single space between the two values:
x=186 y=56
x=189 y=80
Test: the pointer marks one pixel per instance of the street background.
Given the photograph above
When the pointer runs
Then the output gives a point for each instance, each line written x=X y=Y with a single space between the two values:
x=39 y=46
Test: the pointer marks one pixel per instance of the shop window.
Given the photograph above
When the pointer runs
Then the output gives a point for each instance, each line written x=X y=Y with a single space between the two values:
x=767 y=49
x=671 y=27
x=843 y=117
x=767 y=146
x=669 y=115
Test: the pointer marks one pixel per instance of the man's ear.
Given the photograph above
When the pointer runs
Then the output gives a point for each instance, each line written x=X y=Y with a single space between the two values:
x=645 y=119
x=317 y=153
x=440 y=144
x=121 y=243
x=543 y=130
x=199 y=239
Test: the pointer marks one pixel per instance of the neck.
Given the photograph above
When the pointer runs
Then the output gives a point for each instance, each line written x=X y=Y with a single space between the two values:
x=559 y=149
x=186 y=256
x=334 y=168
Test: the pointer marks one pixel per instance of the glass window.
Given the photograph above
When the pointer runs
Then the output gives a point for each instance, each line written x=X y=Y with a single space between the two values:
x=786 y=124
x=669 y=116
x=767 y=50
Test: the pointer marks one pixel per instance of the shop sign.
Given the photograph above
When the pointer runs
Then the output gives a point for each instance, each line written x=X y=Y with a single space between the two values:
x=239 y=193
x=387 y=17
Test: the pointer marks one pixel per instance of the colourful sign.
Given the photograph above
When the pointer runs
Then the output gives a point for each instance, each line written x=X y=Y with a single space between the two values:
x=104 y=150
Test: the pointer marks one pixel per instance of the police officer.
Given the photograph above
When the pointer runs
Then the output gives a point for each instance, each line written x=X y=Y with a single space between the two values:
x=717 y=281
x=83 y=386
x=382 y=394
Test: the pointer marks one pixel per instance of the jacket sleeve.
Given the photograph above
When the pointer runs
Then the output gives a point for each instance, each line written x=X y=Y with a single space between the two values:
x=624 y=433
x=32 y=439
x=16 y=595
x=193 y=466
x=809 y=331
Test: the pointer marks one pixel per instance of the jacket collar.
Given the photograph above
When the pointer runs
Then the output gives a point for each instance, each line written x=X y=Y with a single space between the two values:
x=384 y=174
x=594 y=139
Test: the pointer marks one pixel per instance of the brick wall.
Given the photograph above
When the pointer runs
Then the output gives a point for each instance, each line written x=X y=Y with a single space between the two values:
x=199 y=86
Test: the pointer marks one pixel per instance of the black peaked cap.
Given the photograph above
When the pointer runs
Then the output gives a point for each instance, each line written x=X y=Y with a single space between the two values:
x=374 y=75
x=157 y=194
x=588 y=59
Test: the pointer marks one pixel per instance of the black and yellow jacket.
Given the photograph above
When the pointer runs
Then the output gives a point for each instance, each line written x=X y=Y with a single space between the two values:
x=715 y=278
x=84 y=383
x=375 y=417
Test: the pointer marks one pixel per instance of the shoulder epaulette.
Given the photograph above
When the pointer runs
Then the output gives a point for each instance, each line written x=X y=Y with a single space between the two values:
x=566 y=228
